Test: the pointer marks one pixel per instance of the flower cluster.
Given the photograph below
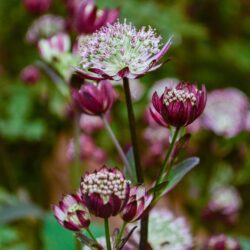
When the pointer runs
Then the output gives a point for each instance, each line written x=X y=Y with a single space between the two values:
x=222 y=242
x=44 y=27
x=178 y=106
x=165 y=232
x=103 y=193
x=226 y=112
x=224 y=205
x=119 y=50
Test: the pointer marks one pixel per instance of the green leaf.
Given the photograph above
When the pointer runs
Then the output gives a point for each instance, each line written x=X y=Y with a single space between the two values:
x=19 y=210
x=177 y=173
x=130 y=173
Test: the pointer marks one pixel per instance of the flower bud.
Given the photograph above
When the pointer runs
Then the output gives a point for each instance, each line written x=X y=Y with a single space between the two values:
x=88 y=18
x=30 y=74
x=222 y=242
x=37 y=6
x=178 y=106
x=139 y=201
x=105 y=191
x=71 y=213
x=94 y=99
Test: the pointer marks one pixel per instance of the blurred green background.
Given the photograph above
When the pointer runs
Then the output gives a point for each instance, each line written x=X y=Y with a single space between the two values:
x=211 y=46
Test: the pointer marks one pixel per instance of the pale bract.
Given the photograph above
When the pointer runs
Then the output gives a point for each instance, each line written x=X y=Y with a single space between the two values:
x=119 y=50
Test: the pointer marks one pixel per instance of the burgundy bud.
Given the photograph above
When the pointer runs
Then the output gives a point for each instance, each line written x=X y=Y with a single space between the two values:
x=88 y=18
x=105 y=191
x=71 y=213
x=94 y=99
x=37 y=6
x=178 y=106
x=221 y=242
x=30 y=74
x=139 y=201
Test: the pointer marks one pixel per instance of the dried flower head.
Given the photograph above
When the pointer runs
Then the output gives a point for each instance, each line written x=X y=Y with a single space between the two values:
x=119 y=50
x=71 y=213
x=105 y=191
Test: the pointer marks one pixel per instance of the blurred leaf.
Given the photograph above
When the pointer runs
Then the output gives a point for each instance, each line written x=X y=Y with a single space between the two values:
x=19 y=210
x=244 y=243
x=130 y=173
x=55 y=237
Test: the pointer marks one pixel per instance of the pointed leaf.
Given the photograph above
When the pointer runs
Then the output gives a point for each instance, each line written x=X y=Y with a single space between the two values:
x=177 y=173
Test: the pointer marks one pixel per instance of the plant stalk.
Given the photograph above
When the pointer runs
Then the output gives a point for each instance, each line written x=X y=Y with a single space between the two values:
x=91 y=235
x=107 y=233
x=116 y=143
x=132 y=128
x=140 y=179
x=121 y=233
x=169 y=152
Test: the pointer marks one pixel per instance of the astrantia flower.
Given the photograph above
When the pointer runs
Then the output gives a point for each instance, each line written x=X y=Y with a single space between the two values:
x=37 y=6
x=226 y=112
x=45 y=27
x=95 y=99
x=178 y=106
x=222 y=242
x=105 y=191
x=30 y=74
x=119 y=50
x=71 y=213
x=224 y=205
x=138 y=203
x=88 y=18
x=53 y=47
x=165 y=232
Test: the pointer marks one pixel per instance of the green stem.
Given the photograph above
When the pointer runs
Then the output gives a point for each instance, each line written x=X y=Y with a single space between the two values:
x=91 y=235
x=166 y=161
x=116 y=143
x=107 y=234
x=120 y=233
x=139 y=173
x=132 y=127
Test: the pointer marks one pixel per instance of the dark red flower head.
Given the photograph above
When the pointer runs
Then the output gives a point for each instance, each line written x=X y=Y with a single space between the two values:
x=105 y=191
x=178 y=106
x=71 y=213
x=94 y=99
x=88 y=18
x=37 y=6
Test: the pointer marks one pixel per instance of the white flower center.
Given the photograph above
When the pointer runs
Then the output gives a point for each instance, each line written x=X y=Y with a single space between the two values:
x=176 y=95
x=105 y=184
